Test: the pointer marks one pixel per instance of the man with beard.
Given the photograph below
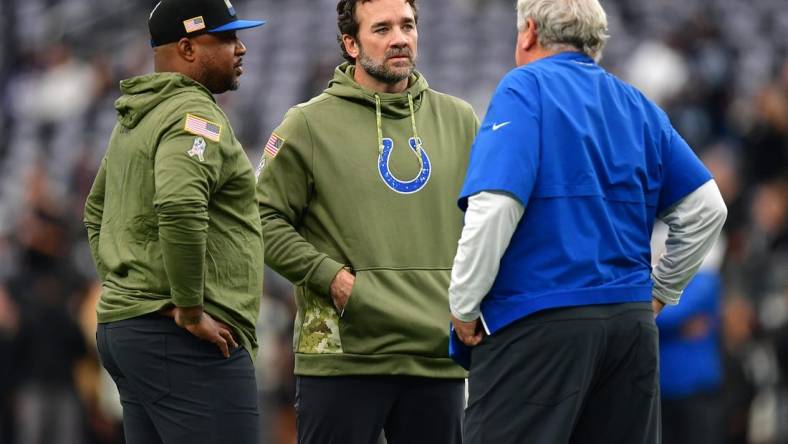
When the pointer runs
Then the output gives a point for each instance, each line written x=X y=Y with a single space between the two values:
x=356 y=189
x=175 y=235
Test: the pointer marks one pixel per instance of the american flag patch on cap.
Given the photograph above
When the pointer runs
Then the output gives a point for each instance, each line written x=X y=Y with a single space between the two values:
x=194 y=24
x=202 y=127
x=274 y=143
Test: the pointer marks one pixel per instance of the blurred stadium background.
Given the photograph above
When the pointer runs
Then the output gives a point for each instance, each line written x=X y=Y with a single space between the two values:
x=720 y=69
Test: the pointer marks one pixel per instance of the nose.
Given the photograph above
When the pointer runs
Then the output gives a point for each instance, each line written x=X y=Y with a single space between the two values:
x=398 y=39
x=240 y=48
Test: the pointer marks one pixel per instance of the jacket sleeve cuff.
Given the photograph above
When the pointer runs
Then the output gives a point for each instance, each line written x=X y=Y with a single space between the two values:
x=186 y=301
x=323 y=275
x=467 y=317
x=664 y=295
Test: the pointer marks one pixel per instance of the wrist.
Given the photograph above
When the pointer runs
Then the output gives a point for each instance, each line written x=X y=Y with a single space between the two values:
x=465 y=317
x=188 y=315
x=323 y=276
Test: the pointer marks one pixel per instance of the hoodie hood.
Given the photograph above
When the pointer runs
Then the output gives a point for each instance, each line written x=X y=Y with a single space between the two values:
x=143 y=93
x=393 y=106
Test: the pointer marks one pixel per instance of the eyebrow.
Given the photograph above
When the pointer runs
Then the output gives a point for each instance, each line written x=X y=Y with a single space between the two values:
x=409 y=20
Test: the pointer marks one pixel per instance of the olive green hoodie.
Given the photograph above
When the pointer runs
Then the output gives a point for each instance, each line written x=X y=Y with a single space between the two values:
x=344 y=181
x=172 y=216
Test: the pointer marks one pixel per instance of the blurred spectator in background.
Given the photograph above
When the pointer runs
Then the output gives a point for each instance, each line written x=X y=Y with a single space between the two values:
x=49 y=343
x=767 y=157
x=738 y=382
x=9 y=325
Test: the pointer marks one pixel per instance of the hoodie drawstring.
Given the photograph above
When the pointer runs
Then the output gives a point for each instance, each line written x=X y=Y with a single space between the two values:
x=416 y=139
x=379 y=122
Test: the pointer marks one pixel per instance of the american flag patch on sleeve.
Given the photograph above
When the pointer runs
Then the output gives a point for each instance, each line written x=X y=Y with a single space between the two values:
x=274 y=144
x=202 y=127
x=194 y=24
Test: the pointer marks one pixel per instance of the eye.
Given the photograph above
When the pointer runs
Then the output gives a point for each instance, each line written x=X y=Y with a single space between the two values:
x=409 y=27
x=382 y=30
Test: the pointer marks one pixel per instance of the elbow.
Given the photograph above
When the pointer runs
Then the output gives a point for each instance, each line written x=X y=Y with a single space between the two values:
x=720 y=210
x=712 y=209
x=90 y=216
x=91 y=223
x=722 y=214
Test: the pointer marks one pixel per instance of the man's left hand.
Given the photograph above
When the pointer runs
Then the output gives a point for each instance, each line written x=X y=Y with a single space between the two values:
x=470 y=333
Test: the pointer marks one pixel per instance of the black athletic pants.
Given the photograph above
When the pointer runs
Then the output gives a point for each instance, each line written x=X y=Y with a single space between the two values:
x=354 y=410
x=573 y=375
x=176 y=388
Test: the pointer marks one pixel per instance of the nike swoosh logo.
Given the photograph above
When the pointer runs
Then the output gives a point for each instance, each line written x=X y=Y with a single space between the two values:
x=497 y=126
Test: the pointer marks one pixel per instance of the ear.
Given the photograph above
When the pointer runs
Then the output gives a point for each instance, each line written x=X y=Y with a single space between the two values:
x=531 y=37
x=351 y=46
x=187 y=49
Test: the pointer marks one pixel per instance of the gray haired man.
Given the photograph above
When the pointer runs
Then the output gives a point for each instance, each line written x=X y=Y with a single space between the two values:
x=552 y=285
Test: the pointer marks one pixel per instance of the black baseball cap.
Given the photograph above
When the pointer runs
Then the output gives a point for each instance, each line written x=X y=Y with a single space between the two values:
x=170 y=20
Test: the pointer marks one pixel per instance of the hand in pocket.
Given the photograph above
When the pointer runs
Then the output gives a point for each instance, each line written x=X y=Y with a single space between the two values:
x=340 y=289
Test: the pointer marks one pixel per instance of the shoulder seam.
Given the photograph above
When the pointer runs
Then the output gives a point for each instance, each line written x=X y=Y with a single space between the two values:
x=314 y=101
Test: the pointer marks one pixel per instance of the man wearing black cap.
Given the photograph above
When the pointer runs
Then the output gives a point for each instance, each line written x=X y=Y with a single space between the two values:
x=175 y=235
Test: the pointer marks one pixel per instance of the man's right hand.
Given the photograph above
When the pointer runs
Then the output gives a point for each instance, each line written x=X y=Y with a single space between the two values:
x=656 y=306
x=203 y=326
x=340 y=289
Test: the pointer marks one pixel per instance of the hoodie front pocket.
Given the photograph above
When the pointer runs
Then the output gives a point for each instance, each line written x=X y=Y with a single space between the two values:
x=397 y=312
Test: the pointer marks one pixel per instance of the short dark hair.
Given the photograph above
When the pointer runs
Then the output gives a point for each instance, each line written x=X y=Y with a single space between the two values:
x=348 y=24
